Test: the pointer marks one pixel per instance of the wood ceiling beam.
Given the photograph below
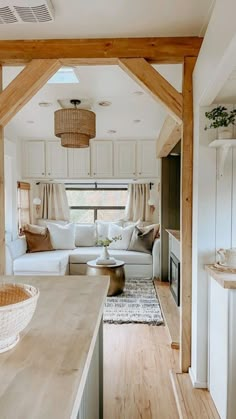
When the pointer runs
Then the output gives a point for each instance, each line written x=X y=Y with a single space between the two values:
x=28 y=82
x=150 y=80
x=169 y=136
x=164 y=50
x=2 y=195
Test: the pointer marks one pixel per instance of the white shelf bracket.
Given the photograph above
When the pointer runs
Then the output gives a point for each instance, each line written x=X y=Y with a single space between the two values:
x=222 y=156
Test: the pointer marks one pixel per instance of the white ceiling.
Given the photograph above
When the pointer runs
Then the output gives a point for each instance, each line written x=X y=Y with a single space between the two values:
x=117 y=18
x=228 y=93
x=97 y=83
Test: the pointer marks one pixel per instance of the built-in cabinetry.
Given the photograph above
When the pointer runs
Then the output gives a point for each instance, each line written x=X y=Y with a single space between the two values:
x=103 y=159
x=44 y=159
x=222 y=342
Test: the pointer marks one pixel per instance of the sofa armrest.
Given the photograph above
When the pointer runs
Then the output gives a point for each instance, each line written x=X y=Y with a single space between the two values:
x=156 y=258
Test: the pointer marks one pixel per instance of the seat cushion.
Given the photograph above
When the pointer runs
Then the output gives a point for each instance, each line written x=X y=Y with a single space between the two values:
x=53 y=262
x=85 y=254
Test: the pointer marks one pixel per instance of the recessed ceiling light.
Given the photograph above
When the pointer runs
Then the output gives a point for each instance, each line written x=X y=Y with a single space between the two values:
x=136 y=121
x=30 y=122
x=104 y=103
x=45 y=104
x=138 y=93
x=111 y=131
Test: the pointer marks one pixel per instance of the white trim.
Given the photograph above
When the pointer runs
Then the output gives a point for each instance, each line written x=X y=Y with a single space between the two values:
x=195 y=383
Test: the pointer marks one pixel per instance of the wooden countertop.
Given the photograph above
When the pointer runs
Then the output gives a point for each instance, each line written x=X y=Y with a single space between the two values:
x=174 y=233
x=225 y=279
x=43 y=377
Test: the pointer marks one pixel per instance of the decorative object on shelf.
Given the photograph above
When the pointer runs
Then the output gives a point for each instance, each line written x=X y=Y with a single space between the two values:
x=221 y=268
x=37 y=205
x=220 y=117
x=17 y=306
x=104 y=258
x=227 y=257
x=75 y=126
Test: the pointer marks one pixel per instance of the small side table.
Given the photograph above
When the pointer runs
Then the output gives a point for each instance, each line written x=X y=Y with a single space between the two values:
x=116 y=273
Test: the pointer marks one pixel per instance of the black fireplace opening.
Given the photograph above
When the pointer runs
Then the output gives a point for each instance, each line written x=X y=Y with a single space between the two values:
x=175 y=278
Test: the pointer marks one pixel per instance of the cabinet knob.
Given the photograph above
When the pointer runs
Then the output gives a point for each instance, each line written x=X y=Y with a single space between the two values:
x=140 y=173
x=49 y=174
x=94 y=173
x=88 y=173
x=133 y=173
x=43 y=173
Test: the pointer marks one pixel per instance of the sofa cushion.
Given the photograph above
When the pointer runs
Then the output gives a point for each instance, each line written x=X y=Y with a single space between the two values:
x=103 y=227
x=62 y=236
x=42 y=262
x=38 y=242
x=85 y=235
x=85 y=254
x=141 y=241
x=124 y=233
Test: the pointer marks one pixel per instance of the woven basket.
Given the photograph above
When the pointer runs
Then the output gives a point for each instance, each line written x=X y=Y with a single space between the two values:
x=17 y=306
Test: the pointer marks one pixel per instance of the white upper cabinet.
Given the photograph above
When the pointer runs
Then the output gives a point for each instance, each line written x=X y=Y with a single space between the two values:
x=33 y=159
x=101 y=158
x=125 y=159
x=79 y=163
x=147 y=164
x=56 y=159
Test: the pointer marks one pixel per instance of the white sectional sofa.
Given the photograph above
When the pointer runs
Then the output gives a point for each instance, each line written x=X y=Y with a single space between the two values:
x=73 y=262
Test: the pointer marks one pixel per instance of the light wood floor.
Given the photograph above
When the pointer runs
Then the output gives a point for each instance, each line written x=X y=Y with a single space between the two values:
x=137 y=384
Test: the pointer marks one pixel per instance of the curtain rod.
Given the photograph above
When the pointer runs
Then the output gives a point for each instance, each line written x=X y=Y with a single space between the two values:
x=96 y=183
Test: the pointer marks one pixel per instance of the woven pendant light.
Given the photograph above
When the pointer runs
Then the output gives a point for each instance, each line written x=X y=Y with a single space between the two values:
x=75 y=126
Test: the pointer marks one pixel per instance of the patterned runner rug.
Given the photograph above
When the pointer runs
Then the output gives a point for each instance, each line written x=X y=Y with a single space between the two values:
x=137 y=304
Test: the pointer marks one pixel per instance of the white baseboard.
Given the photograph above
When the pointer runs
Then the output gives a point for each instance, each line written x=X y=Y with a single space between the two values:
x=195 y=383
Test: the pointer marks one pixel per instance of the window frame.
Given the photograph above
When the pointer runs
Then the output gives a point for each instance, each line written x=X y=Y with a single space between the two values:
x=96 y=208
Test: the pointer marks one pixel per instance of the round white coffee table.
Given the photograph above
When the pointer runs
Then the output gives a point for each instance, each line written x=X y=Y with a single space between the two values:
x=116 y=273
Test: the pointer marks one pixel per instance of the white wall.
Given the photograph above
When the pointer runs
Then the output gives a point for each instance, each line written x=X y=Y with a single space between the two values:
x=213 y=200
x=10 y=189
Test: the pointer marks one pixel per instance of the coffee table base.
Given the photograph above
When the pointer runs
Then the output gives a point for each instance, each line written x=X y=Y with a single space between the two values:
x=117 y=277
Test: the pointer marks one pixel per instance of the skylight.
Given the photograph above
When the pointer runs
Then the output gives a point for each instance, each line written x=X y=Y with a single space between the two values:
x=64 y=75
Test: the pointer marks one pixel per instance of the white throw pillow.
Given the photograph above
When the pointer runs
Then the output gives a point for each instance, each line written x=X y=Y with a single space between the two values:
x=85 y=235
x=62 y=236
x=103 y=228
x=125 y=233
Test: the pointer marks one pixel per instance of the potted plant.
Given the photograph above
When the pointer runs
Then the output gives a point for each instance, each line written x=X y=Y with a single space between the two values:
x=220 y=117
x=105 y=257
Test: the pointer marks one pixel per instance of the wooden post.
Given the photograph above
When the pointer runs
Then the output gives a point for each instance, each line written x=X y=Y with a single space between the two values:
x=2 y=195
x=186 y=216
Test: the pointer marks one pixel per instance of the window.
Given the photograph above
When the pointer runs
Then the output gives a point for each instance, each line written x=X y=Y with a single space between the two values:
x=96 y=203
x=23 y=204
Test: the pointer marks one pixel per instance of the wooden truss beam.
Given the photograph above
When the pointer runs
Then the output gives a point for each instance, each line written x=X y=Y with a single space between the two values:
x=2 y=195
x=150 y=80
x=28 y=82
x=169 y=136
x=164 y=50
x=186 y=216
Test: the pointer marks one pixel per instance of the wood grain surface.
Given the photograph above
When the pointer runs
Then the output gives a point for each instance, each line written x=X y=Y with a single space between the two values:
x=44 y=375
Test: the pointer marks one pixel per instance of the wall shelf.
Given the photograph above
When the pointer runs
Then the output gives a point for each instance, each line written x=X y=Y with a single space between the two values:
x=224 y=146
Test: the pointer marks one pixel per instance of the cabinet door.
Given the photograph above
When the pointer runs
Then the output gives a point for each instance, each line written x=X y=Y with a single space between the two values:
x=33 y=159
x=102 y=158
x=147 y=162
x=79 y=163
x=56 y=159
x=125 y=159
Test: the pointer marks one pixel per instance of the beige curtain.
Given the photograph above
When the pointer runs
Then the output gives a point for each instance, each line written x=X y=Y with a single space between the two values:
x=137 y=207
x=54 y=204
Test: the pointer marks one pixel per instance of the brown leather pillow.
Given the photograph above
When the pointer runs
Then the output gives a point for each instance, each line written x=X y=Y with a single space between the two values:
x=38 y=242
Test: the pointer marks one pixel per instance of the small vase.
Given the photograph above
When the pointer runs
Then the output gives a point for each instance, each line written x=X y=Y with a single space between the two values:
x=224 y=134
x=105 y=254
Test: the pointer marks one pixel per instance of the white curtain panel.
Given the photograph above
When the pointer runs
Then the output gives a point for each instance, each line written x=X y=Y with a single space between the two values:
x=54 y=203
x=137 y=207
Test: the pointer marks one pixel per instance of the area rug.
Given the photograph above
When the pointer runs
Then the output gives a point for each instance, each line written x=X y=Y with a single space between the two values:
x=137 y=304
